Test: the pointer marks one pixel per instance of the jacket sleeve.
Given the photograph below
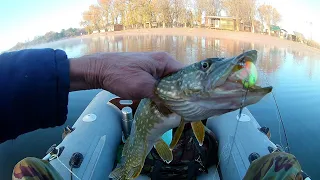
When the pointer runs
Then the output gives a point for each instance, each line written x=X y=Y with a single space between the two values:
x=34 y=89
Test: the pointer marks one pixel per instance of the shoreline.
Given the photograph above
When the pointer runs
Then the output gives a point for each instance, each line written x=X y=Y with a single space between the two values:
x=208 y=33
x=222 y=34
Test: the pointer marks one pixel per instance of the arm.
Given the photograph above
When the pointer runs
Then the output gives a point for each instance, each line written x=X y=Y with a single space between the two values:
x=34 y=91
x=35 y=83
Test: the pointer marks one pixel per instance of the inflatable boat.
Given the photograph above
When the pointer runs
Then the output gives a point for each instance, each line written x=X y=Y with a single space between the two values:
x=89 y=148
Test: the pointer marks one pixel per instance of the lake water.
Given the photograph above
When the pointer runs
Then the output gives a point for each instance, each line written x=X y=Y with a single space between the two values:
x=294 y=74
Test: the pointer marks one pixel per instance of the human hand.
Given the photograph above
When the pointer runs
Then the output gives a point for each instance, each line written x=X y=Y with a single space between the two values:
x=128 y=75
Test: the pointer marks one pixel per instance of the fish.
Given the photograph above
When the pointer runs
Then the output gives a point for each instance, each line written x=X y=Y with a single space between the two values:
x=210 y=87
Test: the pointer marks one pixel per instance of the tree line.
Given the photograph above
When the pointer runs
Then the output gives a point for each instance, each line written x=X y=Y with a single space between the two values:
x=49 y=37
x=175 y=13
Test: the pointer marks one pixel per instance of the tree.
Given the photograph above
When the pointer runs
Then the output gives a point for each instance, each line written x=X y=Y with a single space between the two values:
x=131 y=15
x=249 y=13
x=178 y=11
x=163 y=12
x=218 y=7
x=92 y=19
x=234 y=8
x=241 y=9
x=105 y=10
x=268 y=15
x=276 y=17
x=146 y=11
x=208 y=7
x=120 y=8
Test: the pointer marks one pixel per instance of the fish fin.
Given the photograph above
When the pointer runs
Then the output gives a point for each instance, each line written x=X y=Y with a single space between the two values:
x=164 y=151
x=134 y=172
x=118 y=173
x=126 y=147
x=177 y=134
x=199 y=131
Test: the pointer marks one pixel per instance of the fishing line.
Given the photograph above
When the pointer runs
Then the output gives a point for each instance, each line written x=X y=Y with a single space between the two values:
x=279 y=117
x=243 y=99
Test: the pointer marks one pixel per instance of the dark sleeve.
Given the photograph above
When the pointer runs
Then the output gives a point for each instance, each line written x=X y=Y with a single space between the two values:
x=34 y=88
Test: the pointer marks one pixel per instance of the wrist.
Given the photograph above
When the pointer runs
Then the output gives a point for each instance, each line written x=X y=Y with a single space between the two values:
x=83 y=73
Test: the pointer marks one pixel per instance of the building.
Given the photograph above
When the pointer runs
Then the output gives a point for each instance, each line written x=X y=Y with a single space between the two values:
x=299 y=37
x=275 y=30
x=220 y=22
x=283 y=34
x=115 y=27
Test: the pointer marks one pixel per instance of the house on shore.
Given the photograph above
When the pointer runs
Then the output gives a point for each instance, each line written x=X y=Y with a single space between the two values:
x=220 y=22
x=115 y=27
x=275 y=30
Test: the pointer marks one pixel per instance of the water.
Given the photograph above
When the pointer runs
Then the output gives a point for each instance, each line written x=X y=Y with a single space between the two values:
x=294 y=74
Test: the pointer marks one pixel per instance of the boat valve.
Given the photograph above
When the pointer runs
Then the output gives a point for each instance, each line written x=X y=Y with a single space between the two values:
x=266 y=131
x=127 y=119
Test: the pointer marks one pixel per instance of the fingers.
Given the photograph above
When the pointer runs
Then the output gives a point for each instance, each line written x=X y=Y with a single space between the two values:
x=134 y=75
x=172 y=66
x=166 y=64
x=138 y=87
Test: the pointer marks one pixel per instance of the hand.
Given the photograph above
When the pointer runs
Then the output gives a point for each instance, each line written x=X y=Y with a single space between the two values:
x=128 y=75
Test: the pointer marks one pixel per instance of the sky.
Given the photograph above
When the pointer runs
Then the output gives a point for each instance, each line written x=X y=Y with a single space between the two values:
x=23 y=19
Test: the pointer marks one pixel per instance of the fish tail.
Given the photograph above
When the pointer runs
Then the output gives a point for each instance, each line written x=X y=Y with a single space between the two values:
x=118 y=173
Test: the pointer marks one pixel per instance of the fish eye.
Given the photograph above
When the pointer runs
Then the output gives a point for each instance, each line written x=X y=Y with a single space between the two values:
x=205 y=65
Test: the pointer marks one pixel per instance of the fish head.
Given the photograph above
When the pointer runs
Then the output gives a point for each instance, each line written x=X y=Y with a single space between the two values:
x=213 y=86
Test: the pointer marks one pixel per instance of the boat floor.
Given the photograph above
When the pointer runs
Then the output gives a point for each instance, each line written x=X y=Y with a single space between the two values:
x=213 y=174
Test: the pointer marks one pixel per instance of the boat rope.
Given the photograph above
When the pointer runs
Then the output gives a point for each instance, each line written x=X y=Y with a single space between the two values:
x=55 y=156
x=279 y=117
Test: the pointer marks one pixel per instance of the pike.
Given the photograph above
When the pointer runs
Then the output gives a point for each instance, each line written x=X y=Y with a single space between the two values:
x=211 y=87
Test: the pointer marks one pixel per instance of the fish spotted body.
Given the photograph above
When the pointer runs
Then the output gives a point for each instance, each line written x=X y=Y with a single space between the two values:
x=201 y=90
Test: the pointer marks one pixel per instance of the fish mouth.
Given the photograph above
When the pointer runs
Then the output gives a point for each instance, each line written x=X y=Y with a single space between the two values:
x=238 y=76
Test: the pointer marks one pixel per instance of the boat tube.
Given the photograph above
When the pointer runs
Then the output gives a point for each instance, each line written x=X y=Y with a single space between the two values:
x=89 y=148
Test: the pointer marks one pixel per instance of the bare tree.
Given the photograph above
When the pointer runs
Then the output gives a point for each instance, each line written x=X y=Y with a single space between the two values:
x=199 y=10
x=249 y=11
x=218 y=7
x=209 y=7
x=276 y=17
x=268 y=15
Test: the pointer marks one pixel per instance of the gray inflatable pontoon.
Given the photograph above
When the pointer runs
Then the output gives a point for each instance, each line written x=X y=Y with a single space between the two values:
x=92 y=144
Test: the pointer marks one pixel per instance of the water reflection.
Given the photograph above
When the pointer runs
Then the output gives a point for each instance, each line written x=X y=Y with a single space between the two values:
x=190 y=49
x=271 y=58
x=184 y=48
